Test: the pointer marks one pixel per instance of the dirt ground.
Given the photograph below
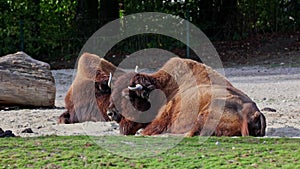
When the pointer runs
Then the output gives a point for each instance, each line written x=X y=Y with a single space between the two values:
x=273 y=86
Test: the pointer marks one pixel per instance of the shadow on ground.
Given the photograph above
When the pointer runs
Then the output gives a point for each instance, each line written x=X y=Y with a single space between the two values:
x=283 y=132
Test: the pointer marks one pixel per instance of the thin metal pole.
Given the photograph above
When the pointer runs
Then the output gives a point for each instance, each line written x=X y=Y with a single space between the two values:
x=187 y=34
x=21 y=35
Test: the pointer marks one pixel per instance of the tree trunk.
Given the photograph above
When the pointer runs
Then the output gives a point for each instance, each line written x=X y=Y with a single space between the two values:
x=25 y=82
x=109 y=10
x=87 y=17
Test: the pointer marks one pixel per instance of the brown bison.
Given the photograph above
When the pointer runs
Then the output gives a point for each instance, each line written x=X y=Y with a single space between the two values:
x=88 y=97
x=183 y=97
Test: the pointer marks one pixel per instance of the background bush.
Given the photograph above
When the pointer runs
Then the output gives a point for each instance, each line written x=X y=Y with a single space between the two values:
x=57 y=29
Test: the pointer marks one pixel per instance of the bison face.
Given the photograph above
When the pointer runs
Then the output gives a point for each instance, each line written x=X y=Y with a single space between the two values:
x=139 y=99
x=135 y=102
x=257 y=124
x=255 y=119
x=102 y=88
x=114 y=114
x=139 y=91
x=102 y=84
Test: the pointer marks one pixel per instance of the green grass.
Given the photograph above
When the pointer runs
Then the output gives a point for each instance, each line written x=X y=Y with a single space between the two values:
x=196 y=152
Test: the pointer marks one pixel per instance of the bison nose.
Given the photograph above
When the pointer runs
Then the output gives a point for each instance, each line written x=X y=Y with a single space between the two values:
x=109 y=113
x=114 y=115
x=145 y=95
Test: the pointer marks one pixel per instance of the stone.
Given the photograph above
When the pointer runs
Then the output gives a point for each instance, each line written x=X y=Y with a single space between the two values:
x=26 y=82
x=7 y=133
x=27 y=130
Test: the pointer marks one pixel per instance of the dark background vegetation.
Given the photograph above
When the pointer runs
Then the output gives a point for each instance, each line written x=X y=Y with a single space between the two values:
x=54 y=31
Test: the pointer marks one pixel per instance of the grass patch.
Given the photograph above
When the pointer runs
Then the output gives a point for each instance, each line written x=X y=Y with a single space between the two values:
x=196 y=152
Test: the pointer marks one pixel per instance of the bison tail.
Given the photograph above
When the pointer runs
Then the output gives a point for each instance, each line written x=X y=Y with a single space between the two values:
x=245 y=130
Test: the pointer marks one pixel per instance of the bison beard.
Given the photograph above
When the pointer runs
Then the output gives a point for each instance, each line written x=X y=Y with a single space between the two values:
x=210 y=106
x=88 y=97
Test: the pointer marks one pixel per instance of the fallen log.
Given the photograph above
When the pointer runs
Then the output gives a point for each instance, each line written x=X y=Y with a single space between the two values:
x=25 y=82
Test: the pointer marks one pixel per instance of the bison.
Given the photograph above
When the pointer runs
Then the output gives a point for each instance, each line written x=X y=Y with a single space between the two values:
x=183 y=97
x=88 y=96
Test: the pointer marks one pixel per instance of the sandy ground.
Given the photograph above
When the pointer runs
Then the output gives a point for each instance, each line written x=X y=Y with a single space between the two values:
x=277 y=88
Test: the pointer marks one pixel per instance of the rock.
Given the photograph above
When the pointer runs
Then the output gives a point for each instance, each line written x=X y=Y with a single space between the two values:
x=27 y=130
x=26 y=82
x=7 y=133
x=268 y=109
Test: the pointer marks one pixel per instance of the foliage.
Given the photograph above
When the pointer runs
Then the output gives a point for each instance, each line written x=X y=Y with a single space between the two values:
x=269 y=15
x=57 y=29
x=228 y=19
x=40 y=27
x=82 y=151
x=219 y=19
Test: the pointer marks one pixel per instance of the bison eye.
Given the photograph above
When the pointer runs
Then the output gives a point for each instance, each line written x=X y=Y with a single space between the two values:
x=145 y=95
x=104 y=86
x=97 y=86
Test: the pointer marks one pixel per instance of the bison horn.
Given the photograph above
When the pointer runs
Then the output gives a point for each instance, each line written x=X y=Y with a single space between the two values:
x=109 y=80
x=136 y=87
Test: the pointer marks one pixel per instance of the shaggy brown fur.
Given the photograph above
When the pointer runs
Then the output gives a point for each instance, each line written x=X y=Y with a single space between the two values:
x=88 y=97
x=199 y=101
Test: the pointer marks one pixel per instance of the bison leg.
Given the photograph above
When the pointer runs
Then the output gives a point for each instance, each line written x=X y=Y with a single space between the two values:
x=192 y=133
x=67 y=117
x=245 y=130
x=156 y=127
x=198 y=126
x=64 y=118
x=154 y=130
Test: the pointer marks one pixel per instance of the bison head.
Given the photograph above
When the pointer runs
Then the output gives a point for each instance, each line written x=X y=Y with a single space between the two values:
x=256 y=121
x=139 y=90
x=257 y=124
x=102 y=83
x=135 y=102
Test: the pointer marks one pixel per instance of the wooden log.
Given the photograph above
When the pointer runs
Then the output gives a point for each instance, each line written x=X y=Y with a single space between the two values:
x=26 y=82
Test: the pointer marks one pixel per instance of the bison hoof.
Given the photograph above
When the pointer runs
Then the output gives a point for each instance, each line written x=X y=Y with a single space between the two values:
x=189 y=134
